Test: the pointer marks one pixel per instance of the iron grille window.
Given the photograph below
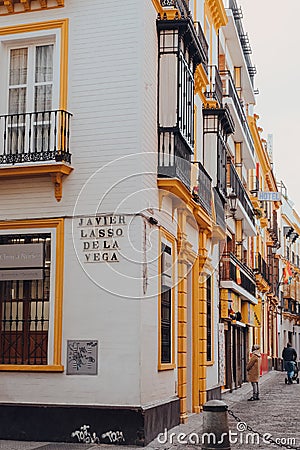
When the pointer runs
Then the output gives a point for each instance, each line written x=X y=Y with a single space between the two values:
x=208 y=320
x=166 y=306
x=24 y=299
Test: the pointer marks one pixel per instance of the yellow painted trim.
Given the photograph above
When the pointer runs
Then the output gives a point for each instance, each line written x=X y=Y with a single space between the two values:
x=56 y=172
x=195 y=337
x=58 y=224
x=175 y=186
x=30 y=368
x=212 y=361
x=166 y=13
x=59 y=282
x=217 y=12
x=263 y=157
x=28 y=9
x=201 y=81
x=169 y=237
x=157 y=6
x=35 y=170
x=63 y=25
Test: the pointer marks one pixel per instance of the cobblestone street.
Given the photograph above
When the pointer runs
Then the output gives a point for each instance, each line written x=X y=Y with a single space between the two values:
x=276 y=414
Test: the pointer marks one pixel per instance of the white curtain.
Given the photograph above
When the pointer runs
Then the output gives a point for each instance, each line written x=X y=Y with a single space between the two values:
x=17 y=80
x=43 y=78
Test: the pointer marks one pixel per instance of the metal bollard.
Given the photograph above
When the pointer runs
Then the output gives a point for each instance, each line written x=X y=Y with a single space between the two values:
x=215 y=426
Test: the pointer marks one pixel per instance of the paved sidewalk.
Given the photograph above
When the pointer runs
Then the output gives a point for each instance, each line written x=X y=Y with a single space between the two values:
x=276 y=414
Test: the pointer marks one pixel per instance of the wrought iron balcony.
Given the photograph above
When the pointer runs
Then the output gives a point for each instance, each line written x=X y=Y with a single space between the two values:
x=273 y=268
x=181 y=5
x=273 y=229
x=215 y=87
x=35 y=137
x=291 y=306
x=203 y=44
x=229 y=90
x=261 y=267
x=244 y=40
x=220 y=210
x=174 y=156
x=232 y=269
x=290 y=291
x=236 y=185
x=189 y=31
x=202 y=193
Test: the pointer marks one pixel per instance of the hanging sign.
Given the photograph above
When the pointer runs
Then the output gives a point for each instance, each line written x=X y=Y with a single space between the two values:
x=269 y=196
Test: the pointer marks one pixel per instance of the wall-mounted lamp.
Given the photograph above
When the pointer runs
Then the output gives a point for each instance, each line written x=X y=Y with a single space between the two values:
x=232 y=203
x=294 y=236
x=287 y=231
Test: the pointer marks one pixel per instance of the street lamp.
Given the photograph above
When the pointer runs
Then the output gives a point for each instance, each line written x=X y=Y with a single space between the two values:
x=232 y=199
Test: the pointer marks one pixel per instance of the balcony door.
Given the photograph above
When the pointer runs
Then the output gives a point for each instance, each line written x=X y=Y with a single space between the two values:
x=30 y=98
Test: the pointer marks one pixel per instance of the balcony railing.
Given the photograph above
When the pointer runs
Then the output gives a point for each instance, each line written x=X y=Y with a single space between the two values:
x=290 y=291
x=220 y=211
x=261 y=267
x=174 y=156
x=35 y=136
x=273 y=227
x=273 y=268
x=291 y=306
x=229 y=272
x=237 y=187
x=244 y=40
x=215 y=87
x=181 y=5
x=203 y=44
x=203 y=193
x=229 y=90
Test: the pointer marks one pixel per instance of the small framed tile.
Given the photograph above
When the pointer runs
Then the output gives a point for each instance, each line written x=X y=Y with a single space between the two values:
x=82 y=357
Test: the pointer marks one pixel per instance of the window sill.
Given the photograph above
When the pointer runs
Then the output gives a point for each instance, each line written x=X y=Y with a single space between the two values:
x=166 y=367
x=55 y=170
x=208 y=363
x=30 y=368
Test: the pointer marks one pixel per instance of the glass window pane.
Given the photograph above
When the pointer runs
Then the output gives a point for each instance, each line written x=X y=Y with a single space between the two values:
x=43 y=98
x=17 y=100
x=18 y=66
x=44 y=63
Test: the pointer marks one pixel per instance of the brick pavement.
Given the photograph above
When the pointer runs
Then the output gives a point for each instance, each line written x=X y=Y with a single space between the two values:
x=276 y=413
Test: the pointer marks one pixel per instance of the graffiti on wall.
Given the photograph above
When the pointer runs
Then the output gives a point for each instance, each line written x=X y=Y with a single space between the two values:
x=85 y=436
x=82 y=357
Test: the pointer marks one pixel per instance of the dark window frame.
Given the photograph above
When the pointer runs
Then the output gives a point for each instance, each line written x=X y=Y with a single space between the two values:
x=209 y=313
x=24 y=313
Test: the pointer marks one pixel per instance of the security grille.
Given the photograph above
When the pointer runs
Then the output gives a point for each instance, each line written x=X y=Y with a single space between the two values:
x=24 y=302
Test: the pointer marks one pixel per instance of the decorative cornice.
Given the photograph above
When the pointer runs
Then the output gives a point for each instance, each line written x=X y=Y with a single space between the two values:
x=172 y=186
x=201 y=81
x=20 y=6
x=218 y=13
x=56 y=171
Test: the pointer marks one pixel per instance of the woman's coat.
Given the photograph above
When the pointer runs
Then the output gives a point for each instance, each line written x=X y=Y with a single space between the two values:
x=253 y=367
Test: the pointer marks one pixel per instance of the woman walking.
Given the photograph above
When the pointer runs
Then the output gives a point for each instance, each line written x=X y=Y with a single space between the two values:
x=253 y=369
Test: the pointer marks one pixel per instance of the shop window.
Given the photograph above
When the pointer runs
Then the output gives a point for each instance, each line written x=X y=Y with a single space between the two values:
x=31 y=268
x=24 y=298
